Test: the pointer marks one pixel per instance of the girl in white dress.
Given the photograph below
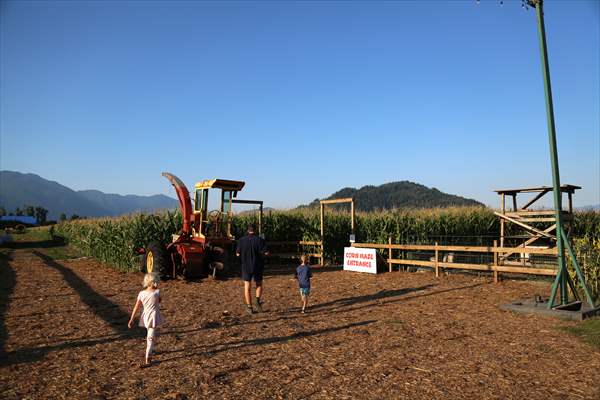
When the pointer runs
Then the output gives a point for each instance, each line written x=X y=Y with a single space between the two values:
x=149 y=300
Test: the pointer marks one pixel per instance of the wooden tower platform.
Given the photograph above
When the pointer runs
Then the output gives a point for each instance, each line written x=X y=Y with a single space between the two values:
x=536 y=227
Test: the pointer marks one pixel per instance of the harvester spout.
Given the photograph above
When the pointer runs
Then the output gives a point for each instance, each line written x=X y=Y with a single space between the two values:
x=184 y=201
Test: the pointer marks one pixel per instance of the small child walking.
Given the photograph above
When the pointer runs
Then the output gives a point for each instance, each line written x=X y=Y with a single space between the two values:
x=303 y=274
x=149 y=299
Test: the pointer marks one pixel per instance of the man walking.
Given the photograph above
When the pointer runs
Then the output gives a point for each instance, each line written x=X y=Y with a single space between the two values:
x=251 y=249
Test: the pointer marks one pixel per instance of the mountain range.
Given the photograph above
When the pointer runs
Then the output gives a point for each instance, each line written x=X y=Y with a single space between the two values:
x=19 y=190
x=402 y=194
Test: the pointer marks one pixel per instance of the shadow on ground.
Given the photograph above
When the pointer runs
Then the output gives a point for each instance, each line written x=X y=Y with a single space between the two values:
x=100 y=305
x=8 y=280
x=235 y=345
x=42 y=244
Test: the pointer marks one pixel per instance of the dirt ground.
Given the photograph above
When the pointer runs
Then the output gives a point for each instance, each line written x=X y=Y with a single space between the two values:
x=391 y=336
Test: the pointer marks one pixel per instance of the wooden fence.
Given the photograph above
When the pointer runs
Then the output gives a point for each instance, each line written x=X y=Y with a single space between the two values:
x=293 y=249
x=496 y=266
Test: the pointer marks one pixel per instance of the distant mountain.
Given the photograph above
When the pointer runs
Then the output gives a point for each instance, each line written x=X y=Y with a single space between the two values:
x=402 y=194
x=119 y=205
x=18 y=189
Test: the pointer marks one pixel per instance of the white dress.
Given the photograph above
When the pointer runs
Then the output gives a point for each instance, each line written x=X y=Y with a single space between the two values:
x=151 y=317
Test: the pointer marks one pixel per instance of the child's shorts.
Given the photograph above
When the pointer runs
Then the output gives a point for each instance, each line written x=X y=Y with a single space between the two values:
x=304 y=291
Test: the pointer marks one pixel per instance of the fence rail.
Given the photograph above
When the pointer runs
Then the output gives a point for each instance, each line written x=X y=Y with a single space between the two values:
x=498 y=264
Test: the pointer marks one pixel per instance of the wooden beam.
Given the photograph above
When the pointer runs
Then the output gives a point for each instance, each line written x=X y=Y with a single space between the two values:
x=570 y=203
x=536 y=198
x=527 y=227
x=436 y=261
x=495 y=263
x=528 y=270
x=479 y=267
x=514 y=196
x=293 y=242
x=531 y=213
x=470 y=249
x=563 y=188
x=412 y=262
x=335 y=201
x=322 y=223
x=389 y=253
x=353 y=214
x=503 y=208
x=311 y=242
x=549 y=219
x=529 y=241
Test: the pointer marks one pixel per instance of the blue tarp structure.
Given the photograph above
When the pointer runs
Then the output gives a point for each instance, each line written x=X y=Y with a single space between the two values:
x=22 y=219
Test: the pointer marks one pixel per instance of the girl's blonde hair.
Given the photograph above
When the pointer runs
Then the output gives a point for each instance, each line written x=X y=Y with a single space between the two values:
x=303 y=258
x=150 y=280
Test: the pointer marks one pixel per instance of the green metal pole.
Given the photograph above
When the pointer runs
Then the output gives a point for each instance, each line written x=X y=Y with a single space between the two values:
x=578 y=271
x=561 y=278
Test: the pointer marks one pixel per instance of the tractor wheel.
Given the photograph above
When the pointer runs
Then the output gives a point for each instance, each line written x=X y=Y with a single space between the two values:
x=217 y=261
x=157 y=260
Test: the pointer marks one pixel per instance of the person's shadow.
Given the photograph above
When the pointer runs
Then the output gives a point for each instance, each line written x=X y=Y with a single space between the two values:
x=382 y=294
x=110 y=312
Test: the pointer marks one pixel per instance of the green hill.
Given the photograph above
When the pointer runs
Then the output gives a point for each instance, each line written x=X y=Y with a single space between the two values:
x=402 y=194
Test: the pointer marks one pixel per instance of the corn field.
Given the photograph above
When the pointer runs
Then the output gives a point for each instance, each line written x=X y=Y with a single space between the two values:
x=115 y=240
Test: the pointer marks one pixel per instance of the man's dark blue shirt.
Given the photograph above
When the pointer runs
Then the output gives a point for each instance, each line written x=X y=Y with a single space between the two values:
x=251 y=249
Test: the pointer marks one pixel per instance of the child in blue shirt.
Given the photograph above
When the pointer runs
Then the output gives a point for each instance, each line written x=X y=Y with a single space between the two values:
x=303 y=274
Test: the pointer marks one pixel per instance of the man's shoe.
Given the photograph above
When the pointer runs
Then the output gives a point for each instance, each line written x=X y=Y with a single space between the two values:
x=249 y=310
x=258 y=306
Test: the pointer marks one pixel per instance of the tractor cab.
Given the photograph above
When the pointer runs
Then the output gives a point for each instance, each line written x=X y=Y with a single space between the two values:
x=214 y=225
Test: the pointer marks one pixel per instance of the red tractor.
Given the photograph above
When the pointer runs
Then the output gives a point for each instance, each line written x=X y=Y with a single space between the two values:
x=201 y=247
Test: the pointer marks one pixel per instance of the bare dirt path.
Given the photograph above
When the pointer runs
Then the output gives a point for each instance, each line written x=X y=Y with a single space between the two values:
x=396 y=335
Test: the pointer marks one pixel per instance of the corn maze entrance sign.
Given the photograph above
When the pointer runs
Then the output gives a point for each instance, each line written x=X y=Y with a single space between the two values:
x=360 y=260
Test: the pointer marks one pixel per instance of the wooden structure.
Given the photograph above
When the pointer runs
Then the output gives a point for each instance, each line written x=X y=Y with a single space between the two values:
x=323 y=203
x=259 y=203
x=312 y=248
x=444 y=257
x=293 y=249
x=536 y=228
x=535 y=252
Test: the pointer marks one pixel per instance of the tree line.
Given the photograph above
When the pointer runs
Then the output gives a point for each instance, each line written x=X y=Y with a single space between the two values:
x=40 y=214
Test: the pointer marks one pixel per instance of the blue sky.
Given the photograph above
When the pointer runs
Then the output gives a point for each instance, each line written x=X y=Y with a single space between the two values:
x=299 y=99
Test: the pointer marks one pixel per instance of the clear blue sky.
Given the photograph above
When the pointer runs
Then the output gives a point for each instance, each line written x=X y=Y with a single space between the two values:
x=298 y=99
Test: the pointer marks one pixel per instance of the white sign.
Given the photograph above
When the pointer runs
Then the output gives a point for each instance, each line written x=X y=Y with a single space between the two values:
x=360 y=260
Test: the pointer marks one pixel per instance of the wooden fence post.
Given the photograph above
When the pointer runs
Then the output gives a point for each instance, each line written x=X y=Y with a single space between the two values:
x=495 y=261
x=437 y=258
x=390 y=253
x=322 y=254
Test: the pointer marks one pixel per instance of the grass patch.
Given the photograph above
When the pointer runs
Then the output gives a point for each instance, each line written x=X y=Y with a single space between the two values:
x=37 y=234
x=588 y=330
x=61 y=252
x=40 y=239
